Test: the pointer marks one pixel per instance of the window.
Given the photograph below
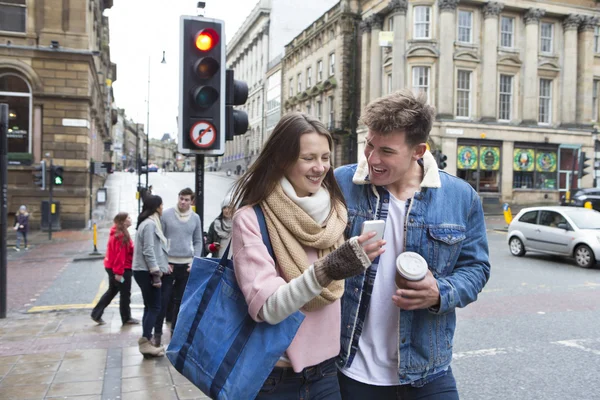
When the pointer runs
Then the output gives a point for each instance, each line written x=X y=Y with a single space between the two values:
x=421 y=79
x=595 y=90
x=422 y=24
x=507 y=29
x=15 y=91
x=331 y=34
x=546 y=35
x=535 y=167
x=308 y=109
x=465 y=26
x=299 y=81
x=331 y=112
x=308 y=77
x=545 y=112
x=551 y=219
x=597 y=39
x=529 y=217
x=505 y=100
x=319 y=110
x=390 y=24
x=331 y=64
x=258 y=106
x=319 y=70
x=13 y=14
x=389 y=83
x=463 y=94
x=291 y=94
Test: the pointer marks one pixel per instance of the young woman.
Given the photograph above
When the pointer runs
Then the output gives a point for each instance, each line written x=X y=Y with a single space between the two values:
x=149 y=265
x=117 y=263
x=219 y=232
x=293 y=182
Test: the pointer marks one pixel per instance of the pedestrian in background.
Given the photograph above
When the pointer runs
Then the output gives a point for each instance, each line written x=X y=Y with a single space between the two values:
x=183 y=229
x=219 y=232
x=149 y=265
x=305 y=214
x=22 y=227
x=117 y=264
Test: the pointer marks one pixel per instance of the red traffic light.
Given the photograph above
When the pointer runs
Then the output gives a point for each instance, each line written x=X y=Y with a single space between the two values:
x=206 y=39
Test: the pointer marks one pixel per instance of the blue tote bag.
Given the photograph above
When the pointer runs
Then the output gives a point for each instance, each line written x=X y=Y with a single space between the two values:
x=216 y=345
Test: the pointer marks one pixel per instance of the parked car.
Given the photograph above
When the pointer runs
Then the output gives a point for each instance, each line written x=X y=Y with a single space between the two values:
x=582 y=196
x=565 y=231
x=153 y=168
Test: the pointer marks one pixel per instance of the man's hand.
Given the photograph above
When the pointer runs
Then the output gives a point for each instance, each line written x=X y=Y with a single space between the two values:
x=417 y=295
x=189 y=268
x=118 y=278
x=171 y=268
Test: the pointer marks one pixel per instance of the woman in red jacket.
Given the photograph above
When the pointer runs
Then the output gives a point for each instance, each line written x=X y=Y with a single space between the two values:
x=119 y=256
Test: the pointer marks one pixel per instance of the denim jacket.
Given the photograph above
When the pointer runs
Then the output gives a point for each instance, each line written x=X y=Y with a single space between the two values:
x=445 y=225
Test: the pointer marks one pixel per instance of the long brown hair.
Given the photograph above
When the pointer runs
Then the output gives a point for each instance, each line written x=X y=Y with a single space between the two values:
x=281 y=151
x=120 y=229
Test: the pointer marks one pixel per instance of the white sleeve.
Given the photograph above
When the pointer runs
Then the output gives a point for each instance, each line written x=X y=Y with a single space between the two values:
x=288 y=299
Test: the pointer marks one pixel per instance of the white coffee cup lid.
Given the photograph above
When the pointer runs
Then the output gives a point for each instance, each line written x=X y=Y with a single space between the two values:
x=411 y=266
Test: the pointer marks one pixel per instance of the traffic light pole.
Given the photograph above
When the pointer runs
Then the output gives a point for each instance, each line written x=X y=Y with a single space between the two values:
x=200 y=187
x=3 y=205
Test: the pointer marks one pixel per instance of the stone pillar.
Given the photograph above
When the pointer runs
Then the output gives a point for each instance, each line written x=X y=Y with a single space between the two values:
x=398 y=9
x=569 y=89
x=365 y=28
x=445 y=103
x=489 y=100
x=585 y=69
x=530 y=83
x=376 y=22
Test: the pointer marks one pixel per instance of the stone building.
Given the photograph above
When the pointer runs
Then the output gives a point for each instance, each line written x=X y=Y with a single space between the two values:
x=163 y=152
x=56 y=75
x=515 y=84
x=273 y=95
x=321 y=76
x=126 y=145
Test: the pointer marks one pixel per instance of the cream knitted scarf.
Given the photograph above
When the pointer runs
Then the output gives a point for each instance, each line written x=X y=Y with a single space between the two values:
x=290 y=228
x=156 y=218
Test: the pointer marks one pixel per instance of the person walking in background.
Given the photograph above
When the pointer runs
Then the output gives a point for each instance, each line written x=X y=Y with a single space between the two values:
x=183 y=229
x=219 y=232
x=149 y=265
x=117 y=263
x=22 y=227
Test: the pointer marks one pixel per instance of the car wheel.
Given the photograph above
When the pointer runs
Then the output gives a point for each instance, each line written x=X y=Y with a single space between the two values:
x=584 y=257
x=516 y=247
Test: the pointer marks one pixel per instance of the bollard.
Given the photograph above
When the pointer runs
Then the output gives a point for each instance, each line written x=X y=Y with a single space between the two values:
x=507 y=213
x=95 y=252
x=588 y=204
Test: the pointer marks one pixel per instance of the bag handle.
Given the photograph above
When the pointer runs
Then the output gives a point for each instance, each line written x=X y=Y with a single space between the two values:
x=264 y=232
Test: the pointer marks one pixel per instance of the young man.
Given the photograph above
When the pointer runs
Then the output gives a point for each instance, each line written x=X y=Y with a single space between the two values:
x=183 y=229
x=397 y=342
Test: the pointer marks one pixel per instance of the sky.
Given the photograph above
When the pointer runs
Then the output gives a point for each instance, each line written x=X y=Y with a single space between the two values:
x=140 y=30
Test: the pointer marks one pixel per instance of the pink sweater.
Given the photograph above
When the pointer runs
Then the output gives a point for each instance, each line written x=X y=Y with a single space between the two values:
x=318 y=338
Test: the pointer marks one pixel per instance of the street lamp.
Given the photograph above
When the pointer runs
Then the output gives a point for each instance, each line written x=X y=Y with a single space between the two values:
x=164 y=61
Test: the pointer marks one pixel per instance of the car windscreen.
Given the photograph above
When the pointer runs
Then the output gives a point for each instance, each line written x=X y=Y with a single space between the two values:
x=585 y=219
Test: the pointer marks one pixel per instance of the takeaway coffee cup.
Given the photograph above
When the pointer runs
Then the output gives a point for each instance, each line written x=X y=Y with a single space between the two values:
x=411 y=266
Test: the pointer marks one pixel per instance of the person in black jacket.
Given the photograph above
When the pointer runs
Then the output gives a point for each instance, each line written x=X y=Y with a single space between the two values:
x=22 y=227
x=219 y=232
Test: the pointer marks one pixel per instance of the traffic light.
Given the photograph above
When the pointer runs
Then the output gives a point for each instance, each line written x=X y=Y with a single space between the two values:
x=202 y=79
x=440 y=159
x=56 y=175
x=236 y=95
x=39 y=177
x=582 y=164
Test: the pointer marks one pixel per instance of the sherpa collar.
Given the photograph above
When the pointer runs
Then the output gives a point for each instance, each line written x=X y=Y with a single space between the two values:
x=431 y=177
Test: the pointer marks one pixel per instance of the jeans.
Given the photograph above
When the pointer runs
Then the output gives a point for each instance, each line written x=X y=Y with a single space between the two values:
x=442 y=388
x=318 y=382
x=166 y=288
x=181 y=275
x=151 y=296
x=115 y=287
x=19 y=236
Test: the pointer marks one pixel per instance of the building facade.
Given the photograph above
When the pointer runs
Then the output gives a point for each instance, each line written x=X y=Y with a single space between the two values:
x=515 y=84
x=129 y=142
x=163 y=152
x=272 y=104
x=56 y=76
x=321 y=76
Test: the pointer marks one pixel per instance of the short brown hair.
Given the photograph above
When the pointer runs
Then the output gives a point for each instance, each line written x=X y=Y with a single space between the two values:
x=401 y=111
x=187 y=192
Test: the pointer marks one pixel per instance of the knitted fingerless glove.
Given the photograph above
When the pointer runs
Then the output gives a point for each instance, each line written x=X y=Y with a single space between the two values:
x=155 y=275
x=347 y=260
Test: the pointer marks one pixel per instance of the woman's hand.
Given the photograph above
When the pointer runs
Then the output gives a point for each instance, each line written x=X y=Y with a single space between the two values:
x=374 y=249
x=119 y=278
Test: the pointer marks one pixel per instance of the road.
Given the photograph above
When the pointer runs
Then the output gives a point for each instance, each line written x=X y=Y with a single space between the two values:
x=533 y=333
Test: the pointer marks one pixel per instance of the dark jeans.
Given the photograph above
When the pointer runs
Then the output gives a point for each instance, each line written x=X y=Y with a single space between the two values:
x=115 y=287
x=21 y=234
x=181 y=275
x=442 y=388
x=318 y=382
x=165 y=295
x=151 y=296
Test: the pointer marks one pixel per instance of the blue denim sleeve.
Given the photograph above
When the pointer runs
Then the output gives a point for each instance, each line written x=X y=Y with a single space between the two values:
x=472 y=269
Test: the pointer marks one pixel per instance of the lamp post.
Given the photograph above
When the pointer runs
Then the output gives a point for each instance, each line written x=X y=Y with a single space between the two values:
x=164 y=61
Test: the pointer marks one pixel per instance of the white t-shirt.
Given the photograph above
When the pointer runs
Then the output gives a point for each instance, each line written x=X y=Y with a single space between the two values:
x=376 y=360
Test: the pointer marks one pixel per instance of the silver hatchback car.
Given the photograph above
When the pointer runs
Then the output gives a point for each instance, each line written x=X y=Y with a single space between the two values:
x=566 y=231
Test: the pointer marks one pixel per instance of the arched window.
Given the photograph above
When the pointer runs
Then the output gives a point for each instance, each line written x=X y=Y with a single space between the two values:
x=16 y=92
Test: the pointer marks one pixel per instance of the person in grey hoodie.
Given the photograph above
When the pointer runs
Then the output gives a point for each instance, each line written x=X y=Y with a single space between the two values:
x=183 y=229
x=150 y=260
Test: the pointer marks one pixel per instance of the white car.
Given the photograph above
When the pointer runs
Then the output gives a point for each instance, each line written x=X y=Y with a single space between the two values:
x=566 y=231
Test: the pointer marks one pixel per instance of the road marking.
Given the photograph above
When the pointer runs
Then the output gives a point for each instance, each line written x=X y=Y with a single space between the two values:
x=576 y=344
x=101 y=290
x=486 y=352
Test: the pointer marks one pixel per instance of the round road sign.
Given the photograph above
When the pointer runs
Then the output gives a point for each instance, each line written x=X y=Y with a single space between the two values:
x=203 y=134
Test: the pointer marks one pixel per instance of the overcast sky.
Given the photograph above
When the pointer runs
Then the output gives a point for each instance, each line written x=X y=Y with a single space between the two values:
x=142 y=29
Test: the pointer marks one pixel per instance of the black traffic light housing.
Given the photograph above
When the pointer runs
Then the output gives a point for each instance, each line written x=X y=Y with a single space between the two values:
x=39 y=177
x=56 y=175
x=236 y=95
x=440 y=159
x=582 y=165
x=202 y=116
